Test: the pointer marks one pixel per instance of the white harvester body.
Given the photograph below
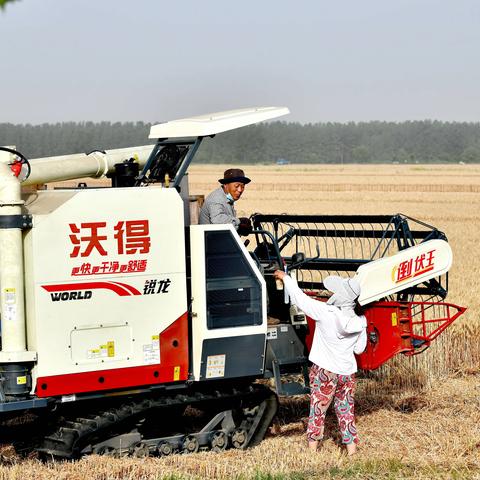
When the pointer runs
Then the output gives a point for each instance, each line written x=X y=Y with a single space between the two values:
x=105 y=274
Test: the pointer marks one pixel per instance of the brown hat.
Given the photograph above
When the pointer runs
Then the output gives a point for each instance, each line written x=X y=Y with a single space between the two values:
x=234 y=175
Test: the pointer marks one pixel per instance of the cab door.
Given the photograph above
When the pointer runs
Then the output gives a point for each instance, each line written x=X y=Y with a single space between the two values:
x=229 y=306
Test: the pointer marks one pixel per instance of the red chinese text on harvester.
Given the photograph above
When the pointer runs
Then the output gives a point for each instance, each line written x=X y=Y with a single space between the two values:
x=414 y=267
x=131 y=237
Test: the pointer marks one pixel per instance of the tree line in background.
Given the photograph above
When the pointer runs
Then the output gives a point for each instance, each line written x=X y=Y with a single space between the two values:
x=277 y=142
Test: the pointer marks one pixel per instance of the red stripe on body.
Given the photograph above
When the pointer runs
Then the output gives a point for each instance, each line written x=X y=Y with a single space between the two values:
x=131 y=289
x=421 y=272
x=119 y=289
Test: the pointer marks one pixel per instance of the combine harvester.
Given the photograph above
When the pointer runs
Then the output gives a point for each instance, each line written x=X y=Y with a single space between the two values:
x=117 y=314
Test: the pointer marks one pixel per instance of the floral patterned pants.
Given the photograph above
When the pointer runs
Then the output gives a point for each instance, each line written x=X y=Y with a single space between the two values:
x=326 y=386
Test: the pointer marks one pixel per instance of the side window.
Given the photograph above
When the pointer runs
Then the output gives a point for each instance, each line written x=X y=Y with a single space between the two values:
x=234 y=294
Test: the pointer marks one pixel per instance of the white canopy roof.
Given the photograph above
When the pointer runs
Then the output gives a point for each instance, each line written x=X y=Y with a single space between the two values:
x=214 y=123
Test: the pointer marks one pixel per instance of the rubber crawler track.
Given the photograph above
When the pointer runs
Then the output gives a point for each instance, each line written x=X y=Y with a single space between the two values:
x=72 y=435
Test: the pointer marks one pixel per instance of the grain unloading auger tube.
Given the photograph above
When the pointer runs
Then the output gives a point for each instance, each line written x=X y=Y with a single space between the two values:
x=402 y=265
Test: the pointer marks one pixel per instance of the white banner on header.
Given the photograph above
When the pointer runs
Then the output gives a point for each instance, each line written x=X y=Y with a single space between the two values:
x=405 y=269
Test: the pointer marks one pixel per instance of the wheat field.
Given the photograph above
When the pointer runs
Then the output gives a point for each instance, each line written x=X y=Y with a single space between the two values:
x=420 y=417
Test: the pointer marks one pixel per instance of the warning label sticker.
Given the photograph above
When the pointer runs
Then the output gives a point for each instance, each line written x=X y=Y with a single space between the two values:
x=10 y=307
x=10 y=312
x=94 y=353
x=102 y=351
x=215 y=366
x=10 y=296
x=272 y=333
x=151 y=351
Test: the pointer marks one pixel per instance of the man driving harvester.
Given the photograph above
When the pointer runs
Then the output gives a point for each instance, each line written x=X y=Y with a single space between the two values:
x=218 y=207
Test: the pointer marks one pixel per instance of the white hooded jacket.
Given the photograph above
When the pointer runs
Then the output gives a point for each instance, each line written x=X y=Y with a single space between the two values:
x=339 y=332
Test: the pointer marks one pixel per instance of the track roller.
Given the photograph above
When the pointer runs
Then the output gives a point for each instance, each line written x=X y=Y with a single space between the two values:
x=218 y=441
x=140 y=451
x=190 y=444
x=239 y=438
x=165 y=448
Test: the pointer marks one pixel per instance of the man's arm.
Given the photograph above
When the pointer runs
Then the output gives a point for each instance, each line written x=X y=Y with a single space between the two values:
x=219 y=215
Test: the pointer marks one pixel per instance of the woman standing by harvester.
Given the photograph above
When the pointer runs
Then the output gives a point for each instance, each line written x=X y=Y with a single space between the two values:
x=339 y=334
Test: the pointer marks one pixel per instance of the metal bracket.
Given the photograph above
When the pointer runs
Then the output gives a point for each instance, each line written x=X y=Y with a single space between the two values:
x=23 y=405
x=16 y=221
x=292 y=387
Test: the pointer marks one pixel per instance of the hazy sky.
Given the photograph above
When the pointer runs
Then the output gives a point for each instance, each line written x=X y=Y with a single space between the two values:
x=154 y=60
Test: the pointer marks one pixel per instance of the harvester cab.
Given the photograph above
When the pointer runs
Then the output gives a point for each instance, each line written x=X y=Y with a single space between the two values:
x=118 y=312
